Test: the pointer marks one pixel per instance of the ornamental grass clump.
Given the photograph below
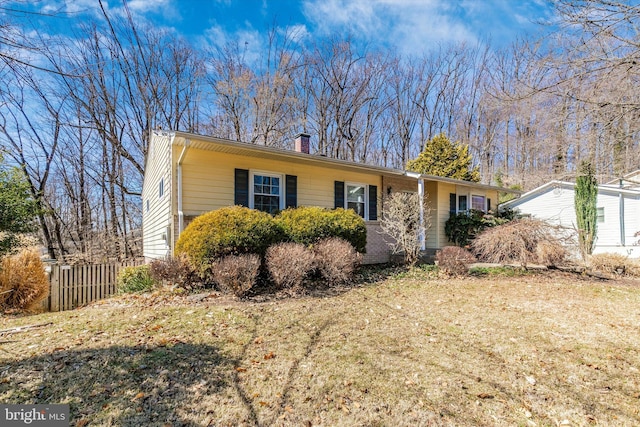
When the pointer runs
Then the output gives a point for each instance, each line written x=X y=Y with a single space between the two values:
x=135 y=280
x=23 y=281
x=613 y=263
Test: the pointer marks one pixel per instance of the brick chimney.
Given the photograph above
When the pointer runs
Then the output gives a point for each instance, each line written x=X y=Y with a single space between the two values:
x=302 y=143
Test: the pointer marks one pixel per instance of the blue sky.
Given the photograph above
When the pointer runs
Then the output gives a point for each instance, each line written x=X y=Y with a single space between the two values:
x=409 y=26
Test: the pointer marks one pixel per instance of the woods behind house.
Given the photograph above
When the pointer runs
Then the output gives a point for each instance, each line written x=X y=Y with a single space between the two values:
x=76 y=111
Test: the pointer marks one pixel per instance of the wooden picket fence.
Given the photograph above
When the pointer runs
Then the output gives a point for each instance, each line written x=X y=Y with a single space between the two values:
x=73 y=286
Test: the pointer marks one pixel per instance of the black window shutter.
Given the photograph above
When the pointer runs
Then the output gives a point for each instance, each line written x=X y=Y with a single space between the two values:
x=241 y=187
x=291 y=189
x=373 y=202
x=452 y=204
x=488 y=205
x=339 y=194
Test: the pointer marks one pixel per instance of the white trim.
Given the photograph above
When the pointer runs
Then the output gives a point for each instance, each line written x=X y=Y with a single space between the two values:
x=179 y=185
x=421 y=237
x=281 y=189
x=366 y=196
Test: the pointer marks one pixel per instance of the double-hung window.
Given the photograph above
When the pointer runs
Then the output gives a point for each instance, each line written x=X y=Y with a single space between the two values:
x=478 y=203
x=462 y=203
x=356 y=198
x=361 y=198
x=266 y=192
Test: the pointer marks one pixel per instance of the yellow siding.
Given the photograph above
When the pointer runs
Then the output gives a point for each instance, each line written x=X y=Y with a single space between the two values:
x=208 y=179
x=444 y=189
x=431 y=194
x=208 y=184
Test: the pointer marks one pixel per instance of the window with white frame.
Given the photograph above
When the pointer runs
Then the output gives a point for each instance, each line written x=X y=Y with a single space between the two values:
x=161 y=188
x=462 y=203
x=478 y=203
x=600 y=212
x=266 y=192
x=356 y=198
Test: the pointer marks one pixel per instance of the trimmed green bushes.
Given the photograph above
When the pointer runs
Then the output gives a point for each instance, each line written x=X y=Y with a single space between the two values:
x=308 y=225
x=216 y=243
x=239 y=230
x=233 y=230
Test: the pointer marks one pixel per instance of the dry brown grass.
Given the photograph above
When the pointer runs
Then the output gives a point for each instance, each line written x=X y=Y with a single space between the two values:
x=540 y=349
x=23 y=281
x=615 y=264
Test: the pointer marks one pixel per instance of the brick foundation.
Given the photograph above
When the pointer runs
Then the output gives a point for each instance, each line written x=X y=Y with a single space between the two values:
x=377 y=249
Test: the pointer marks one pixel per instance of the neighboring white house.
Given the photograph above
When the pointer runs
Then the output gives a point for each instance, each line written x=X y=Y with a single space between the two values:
x=618 y=212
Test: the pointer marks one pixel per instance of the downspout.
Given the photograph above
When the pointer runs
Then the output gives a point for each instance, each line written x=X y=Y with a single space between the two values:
x=180 y=212
x=421 y=236
x=621 y=215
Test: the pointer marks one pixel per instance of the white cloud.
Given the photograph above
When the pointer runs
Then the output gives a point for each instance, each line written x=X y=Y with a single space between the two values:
x=139 y=8
x=297 y=33
x=413 y=26
x=249 y=41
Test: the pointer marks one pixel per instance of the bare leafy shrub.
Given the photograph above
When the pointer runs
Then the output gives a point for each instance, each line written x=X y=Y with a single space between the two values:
x=176 y=271
x=289 y=263
x=236 y=273
x=402 y=223
x=23 y=281
x=336 y=260
x=523 y=241
x=551 y=253
x=615 y=264
x=454 y=260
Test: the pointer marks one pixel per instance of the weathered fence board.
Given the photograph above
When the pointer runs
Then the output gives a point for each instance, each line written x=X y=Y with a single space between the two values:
x=73 y=286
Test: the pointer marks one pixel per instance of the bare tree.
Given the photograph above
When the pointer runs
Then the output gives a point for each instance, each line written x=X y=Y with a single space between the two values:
x=404 y=225
x=33 y=135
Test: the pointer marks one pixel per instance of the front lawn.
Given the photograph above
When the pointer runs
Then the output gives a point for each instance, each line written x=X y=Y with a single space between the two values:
x=409 y=350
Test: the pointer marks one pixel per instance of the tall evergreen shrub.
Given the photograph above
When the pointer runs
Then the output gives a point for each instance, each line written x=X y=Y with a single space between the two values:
x=586 y=207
